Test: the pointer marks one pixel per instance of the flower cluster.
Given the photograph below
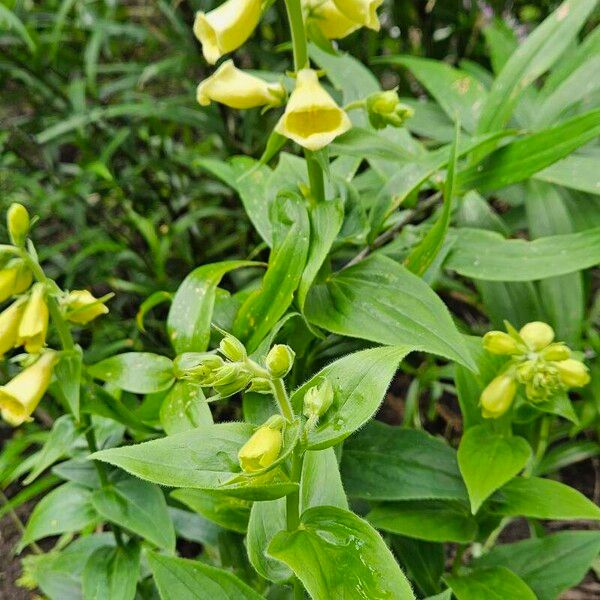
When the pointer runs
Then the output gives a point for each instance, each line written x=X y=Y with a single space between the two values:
x=543 y=367
x=24 y=322
x=311 y=118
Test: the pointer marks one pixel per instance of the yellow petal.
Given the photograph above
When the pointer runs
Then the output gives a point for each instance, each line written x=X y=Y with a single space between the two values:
x=573 y=373
x=82 y=307
x=499 y=342
x=233 y=87
x=9 y=325
x=34 y=323
x=227 y=27
x=21 y=395
x=14 y=279
x=261 y=450
x=497 y=397
x=312 y=118
x=333 y=24
x=537 y=335
x=363 y=12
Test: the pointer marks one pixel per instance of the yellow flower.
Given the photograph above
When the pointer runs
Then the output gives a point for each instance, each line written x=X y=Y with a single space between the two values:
x=573 y=373
x=14 y=279
x=261 y=450
x=497 y=397
x=9 y=325
x=34 y=323
x=333 y=24
x=227 y=27
x=17 y=221
x=537 y=335
x=363 y=12
x=231 y=86
x=21 y=395
x=82 y=307
x=312 y=118
x=499 y=342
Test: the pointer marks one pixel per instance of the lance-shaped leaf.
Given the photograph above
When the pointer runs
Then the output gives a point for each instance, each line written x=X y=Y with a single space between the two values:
x=497 y=583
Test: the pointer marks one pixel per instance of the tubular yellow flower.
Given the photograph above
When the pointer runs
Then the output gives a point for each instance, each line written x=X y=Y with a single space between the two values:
x=232 y=87
x=499 y=342
x=261 y=450
x=556 y=351
x=363 y=12
x=312 y=118
x=9 y=325
x=497 y=397
x=21 y=395
x=14 y=279
x=226 y=28
x=573 y=373
x=333 y=24
x=34 y=323
x=82 y=307
x=537 y=335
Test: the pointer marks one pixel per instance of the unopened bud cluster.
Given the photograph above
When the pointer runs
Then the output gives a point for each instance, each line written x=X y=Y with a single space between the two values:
x=232 y=371
x=385 y=108
x=543 y=367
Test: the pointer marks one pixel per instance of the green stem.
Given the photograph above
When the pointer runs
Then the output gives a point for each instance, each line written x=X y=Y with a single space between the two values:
x=296 y=20
x=68 y=344
x=292 y=512
x=542 y=446
x=315 y=177
x=283 y=401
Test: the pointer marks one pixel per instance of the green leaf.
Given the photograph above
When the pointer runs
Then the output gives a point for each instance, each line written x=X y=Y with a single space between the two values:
x=422 y=255
x=381 y=301
x=535 y=56
x=549 y=565
x=446 y=595
x=487 y=460
x=359 y=382
x=492 y=584
x=264 y=307
x=461 y=96
x=184 y=408
x=137 y=372
x=138 y=506
x=66 y=509
x=577 y=172
x=424 y=561
x=326 y=220
x=369 y=144
x=68 y=379
x=178 y=578
x=321 y=485
x=338 y=555
x=487 y=255
x=112 y=573
x=431 y=520
x=204 y=458
x=525 y=156
x=543 y=499
x=190 y=315
x=62 y=437
x=155 y=299
x=229 y=513
x=381 y=462
x=9 y=20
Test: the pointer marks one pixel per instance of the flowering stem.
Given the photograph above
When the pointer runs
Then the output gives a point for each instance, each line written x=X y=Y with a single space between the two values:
x=296 y=20
x=283 y=401
x=315 y=177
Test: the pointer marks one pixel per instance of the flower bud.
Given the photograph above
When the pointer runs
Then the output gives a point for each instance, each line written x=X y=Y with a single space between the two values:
x=260 y=385
x=363 y=12
x=227 y=27
x=17 y=220
x=232 y=348
x=573 y=373
x=318 y=400
x=230 y=379
x=385 y=108
x=537 y=335
x=34 y=323
x=21 y=395
x=557 y=351
x=279 y=361
x=82 y=307
x=498 y=342
x=198 y=366
x=9 y=325
x=15 y=279
x=312 y=118
x=237 y=89
x=262 y=449
x=332 y=23
x=498 y=396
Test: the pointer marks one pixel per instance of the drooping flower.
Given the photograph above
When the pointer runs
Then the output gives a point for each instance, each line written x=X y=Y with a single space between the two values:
x=262 y=449
x=333 y=24
x=237 y=89
x=82 y=307
x=363 y=12
x=34 y=322
x=498 y=396
x=312 y=118
x=227 y=27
